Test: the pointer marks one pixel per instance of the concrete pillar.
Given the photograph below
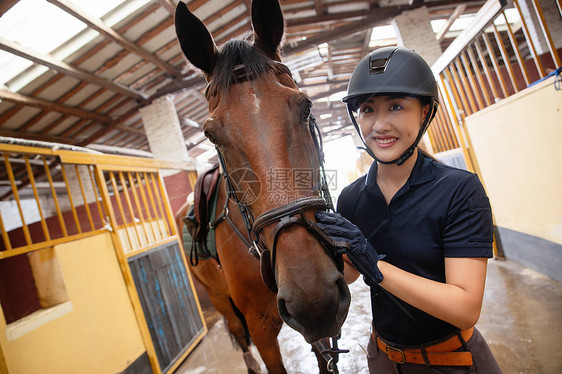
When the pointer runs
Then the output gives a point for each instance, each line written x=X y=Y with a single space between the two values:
x=413 y=31
x=163 y=130
x=552 y=17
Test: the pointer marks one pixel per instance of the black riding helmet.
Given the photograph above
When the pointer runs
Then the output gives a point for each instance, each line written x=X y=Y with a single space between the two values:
x=390 y=71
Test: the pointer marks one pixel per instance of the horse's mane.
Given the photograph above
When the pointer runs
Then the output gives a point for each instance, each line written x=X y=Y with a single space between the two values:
x=241 y=54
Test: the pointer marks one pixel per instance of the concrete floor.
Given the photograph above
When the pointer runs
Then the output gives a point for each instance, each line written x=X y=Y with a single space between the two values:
x=521 y=320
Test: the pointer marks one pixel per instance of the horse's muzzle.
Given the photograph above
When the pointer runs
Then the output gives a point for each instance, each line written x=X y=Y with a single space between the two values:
x=316 y=314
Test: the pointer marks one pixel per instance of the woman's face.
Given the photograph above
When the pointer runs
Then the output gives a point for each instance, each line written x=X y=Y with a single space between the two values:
x=390 y=124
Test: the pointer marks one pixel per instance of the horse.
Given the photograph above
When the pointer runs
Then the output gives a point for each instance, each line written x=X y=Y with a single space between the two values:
x=276 y=264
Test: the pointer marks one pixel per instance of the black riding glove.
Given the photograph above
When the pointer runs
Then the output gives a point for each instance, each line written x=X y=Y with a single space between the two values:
x=361 y=253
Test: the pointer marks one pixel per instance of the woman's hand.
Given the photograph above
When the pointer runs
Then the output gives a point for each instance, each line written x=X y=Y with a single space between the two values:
x=359 y=251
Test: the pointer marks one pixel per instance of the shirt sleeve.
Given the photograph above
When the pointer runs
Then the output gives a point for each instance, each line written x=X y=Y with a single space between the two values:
x=468 y=227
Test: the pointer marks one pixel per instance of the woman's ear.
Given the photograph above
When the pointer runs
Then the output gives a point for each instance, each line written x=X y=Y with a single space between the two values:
x=425 y=111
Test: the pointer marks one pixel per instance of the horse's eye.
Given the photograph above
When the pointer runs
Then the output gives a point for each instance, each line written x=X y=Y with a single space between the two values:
x=306 y=111
x=212 y=138
x=210 y=128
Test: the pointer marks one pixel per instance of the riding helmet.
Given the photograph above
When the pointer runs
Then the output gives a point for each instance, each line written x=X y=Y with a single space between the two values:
x=389 y=71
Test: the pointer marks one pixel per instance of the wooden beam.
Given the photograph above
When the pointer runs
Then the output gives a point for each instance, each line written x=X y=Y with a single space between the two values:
x=372 y=19
x=168 y=5
x=319 y=7
x=47 y=105
x=459 y=10
x=34 y=136
x=64 y=68
x=6 y=5
x=103 y=29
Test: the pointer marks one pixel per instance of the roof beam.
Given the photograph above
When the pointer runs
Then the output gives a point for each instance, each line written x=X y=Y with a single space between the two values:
x=168 y=5
x=103 y=29
x=6 y=5
x=47 y=105
x=64 y=68
x=319 y=7
x=459 y=10
x=372 y=19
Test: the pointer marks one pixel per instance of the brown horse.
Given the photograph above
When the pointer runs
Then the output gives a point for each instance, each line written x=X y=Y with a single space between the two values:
x=260 y=124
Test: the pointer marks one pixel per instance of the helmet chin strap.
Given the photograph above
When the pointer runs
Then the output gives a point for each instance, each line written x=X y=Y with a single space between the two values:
x=410 y=151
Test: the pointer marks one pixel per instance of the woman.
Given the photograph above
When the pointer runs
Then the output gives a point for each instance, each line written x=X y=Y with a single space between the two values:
x=430 y=222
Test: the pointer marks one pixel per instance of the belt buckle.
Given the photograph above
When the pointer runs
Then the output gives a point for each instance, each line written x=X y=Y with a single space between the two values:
x=390 y=349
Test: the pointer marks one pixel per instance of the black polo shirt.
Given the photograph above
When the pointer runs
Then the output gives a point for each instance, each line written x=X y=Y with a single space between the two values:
x=440 y=212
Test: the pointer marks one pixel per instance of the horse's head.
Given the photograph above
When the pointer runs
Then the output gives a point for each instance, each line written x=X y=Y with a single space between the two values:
x=260 y=122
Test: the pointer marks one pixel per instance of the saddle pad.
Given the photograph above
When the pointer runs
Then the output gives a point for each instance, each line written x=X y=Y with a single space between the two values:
x=211 y=244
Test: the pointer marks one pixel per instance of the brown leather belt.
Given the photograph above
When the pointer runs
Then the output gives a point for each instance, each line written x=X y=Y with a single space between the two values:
x=437 y=354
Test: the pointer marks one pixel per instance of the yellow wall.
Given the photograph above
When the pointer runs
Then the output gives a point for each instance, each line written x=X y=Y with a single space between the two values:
x=518 y=147
x=100 y=333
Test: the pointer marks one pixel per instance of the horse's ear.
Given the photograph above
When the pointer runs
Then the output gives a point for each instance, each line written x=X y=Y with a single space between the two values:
x=268 y=25
x=196 y=41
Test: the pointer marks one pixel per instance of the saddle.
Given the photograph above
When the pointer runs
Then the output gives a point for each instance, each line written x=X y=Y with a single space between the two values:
x=201 y=213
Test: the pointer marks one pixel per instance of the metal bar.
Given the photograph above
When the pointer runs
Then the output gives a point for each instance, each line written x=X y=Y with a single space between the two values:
x=36 y=195
x=487 y=72
x=138 y=205
x=505 y=57
x=5 y=236
x=532 y=49
x=17 y=197
x=546 y=33
x=157 y=213
x=443 y=130
x=442 y=125
x=454 y=80
x=84 y=198
x=166 y=202
x=145 y=204
x=478 y=72
x=515 y=47
x=495 y=64
x=433 y=134
x=449 y=131
x=442 y=136
x=473 y=84
x=130 y=207
x=120 y=207
x=73 y=209
x=160 y=203
x=447 y=125
x=466 y=87
x=55 y=199
x=94 y=187
x=453 y=116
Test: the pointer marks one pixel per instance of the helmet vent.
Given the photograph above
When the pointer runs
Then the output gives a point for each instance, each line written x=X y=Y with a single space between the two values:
x=378 y=66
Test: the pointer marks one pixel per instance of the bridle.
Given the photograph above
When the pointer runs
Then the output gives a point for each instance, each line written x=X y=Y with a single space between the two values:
x=288 y=215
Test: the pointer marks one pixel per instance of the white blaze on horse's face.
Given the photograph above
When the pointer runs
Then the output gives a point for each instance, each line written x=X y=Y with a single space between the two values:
x=259 y=120
x=256 y=104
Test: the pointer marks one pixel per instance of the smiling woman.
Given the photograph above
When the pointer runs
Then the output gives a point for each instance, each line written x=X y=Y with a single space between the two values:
x=430 y=224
